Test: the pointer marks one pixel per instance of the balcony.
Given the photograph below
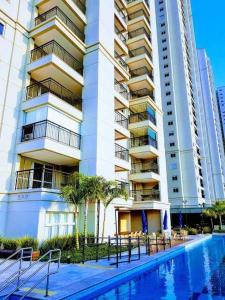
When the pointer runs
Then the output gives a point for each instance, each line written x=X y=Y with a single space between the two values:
x=139 y=57
x=51 y=86
x=121 y=61
x=123 y=185
x=52 y=60
x=122 y=95
x=122 y=159
x=140 y=51
x=139 y=19
x=139 y=38
x=141 y=78
x=134 y=5
x=50 y=143
x=143 y=147
x=120 y=42
x=57 y=12
x=144 y=172
x=121 y=126
x=146 y=195
x=80 y=4
x=140 y=121
x=142 y=116
x=121 y=18
x=45 y=177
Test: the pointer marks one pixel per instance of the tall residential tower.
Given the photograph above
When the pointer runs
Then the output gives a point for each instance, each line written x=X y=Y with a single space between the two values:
x=80 y=92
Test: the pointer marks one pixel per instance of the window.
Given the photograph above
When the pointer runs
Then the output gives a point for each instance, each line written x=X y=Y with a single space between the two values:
x=169 y=113
x=171 y=133
x=2 y=28
x=163 y=24
x=175 y=190
x=174 y=178
x=168 y=93
x=173 y=155
x=167 y=84
x=168 y=103
x=161 y=9
x=165 y=57
x=166 y=66
x=59 y=224
x=172 y=144
x=164 y=41
x=164 y=49
x=167 y=75
x=170 y=123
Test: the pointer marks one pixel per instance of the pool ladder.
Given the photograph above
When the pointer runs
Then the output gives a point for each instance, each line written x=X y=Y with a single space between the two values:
x=45 y=261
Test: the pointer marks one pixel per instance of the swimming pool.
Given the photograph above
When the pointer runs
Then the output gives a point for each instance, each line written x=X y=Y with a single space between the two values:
x=196 y=274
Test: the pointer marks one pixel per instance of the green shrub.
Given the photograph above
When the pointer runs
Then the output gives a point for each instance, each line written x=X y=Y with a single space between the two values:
x=207 y=229
x=192 y=231
x=10 y=244
x=26 y=241
x=219 y=231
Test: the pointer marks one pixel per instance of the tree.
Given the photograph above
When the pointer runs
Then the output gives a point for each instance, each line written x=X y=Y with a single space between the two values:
x=210 y=213
x=219 y=209
x=111 y=190
x=71 y=193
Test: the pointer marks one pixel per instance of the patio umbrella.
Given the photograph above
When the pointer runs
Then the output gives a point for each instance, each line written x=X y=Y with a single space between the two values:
x=180 y=219
x=165 y=221
x=144 y=221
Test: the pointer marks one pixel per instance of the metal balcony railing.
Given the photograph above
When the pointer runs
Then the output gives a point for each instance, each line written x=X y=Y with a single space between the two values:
x=144 y=167
x=51 y=86
x=57 y=12
x=145 y=195
x=121 y=152
x=140 y=51
x=141 y=71
x=145 y=140
x=53 y=47
x=121 y=89
x=142 y=116
x=52 y=131
x=124 y=185
x=137 y=32
x=138 y=13
x=121 y=119
x=41 y=178
x=142 y=93
x=81 y=4
x=121 y=13
x=121 y=36
x=121 y=61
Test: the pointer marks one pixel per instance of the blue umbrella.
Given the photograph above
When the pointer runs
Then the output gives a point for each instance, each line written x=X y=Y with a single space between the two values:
x=165 y=221
x=180 y=219
x=144 y=222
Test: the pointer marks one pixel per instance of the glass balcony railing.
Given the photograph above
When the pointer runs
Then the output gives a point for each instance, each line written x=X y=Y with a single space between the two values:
x=51 y=86
x=142 y=93
x=121 y=13
x=53 y=47
x=142 y=116
x=138 y=13
x=121 y=152
x=121 y=61
x=48 y=129
x=140 y=51
x=146 y=1
x=121 y=36
x=124 y=185
x=144 y=167
x=141 y=71
x=145 y=195
x=41 y=178
x=121 y=119
x=137 y=32
x=122 y=90
x=57 y=12
x=81 y=4
x=145 y=140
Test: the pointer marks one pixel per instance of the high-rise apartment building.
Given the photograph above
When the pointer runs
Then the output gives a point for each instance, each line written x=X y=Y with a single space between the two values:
x=80 y=91
x=221 y=104
x=186 y=154
x=212 y=131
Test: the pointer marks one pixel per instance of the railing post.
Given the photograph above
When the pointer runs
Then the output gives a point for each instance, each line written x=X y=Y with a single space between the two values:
x=120 y=248
x=157 y=246
x=117 y=254
x=48 y=274
x=129 y=249
x=97 y=249
x=149 y=246
x=83 y=253
x=170 y=243
x=139 y=250
x=20 y=266
x=109 y=243
x=164 y=243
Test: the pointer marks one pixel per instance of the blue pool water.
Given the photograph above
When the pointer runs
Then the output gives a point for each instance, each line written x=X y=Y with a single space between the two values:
x=197 y=274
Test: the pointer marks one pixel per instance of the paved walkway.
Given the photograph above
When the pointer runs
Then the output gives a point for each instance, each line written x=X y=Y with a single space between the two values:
x=74 y=278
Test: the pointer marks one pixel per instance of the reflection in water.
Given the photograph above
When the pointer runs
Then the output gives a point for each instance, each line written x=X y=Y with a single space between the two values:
x=195 y=275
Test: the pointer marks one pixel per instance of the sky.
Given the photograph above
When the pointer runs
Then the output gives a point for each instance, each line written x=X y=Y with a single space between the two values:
x=209 y=22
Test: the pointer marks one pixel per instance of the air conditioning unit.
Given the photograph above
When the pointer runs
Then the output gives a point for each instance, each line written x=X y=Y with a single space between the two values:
x=28 y=136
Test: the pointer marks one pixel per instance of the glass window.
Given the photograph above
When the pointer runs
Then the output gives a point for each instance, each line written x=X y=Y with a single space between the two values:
x=1 y=28
x=59 y=224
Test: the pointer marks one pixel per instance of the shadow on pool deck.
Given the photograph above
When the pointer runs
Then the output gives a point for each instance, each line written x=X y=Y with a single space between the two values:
x=75 y=278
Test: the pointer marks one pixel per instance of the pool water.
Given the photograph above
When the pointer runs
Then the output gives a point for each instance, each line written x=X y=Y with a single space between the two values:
x=197 y=274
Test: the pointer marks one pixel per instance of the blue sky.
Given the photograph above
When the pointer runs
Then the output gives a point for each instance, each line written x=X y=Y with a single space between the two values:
x=209 y=21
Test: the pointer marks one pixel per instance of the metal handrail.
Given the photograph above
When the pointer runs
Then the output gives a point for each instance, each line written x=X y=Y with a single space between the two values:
x=17 y=273
x=121 y=89
x=121 y=61
x=121 y=152
x=141 y=116
x=49 y=273
x=121 y=35
x=143 y=141
x=121 y=13
x=121 y=119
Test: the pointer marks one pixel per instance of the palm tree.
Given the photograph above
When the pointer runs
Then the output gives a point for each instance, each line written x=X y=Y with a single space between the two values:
x=210 y=213
x=71 y=193
x=111 y=191
x=219 y=209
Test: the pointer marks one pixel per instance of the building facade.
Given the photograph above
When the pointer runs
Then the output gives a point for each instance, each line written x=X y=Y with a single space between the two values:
x=186 y=142
x=80 y=92
x=220 y=93
x=212 y=133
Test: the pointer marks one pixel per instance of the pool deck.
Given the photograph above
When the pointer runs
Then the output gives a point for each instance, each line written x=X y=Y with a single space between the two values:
x=80 y=281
